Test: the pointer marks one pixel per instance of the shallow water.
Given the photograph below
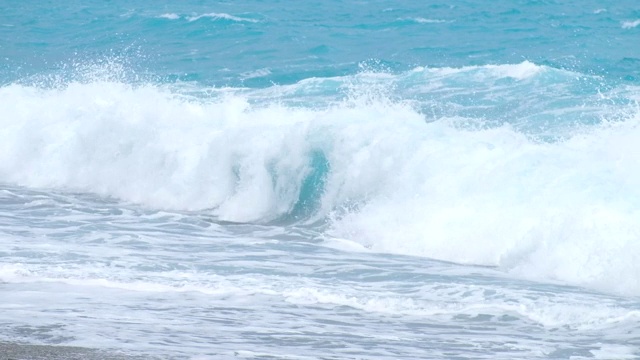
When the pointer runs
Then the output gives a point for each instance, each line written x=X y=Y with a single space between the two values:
x=81 y=270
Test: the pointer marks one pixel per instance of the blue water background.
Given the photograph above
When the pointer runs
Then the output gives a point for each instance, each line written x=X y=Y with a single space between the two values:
x=297 y=40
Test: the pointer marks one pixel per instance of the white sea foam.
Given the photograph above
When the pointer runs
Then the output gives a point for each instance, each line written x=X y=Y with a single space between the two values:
x=630 y=24
x=607 y=351
x=170 y=16
x=565 y=211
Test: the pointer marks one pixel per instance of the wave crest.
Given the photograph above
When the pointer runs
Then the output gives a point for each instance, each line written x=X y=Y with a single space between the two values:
x=390 y=174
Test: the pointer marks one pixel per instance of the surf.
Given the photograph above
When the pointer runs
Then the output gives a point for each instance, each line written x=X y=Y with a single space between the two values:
x=382 y=159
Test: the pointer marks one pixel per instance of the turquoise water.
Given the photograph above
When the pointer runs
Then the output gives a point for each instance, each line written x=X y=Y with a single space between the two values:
x=258 y=43
x=353 y=179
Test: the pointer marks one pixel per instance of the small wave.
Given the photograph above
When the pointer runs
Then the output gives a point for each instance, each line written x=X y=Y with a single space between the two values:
x=429 y=21
x=255 y=73
x=520 y=71
x=630 y=24
x=220 y=16
x=128 y=14
x=421 y=20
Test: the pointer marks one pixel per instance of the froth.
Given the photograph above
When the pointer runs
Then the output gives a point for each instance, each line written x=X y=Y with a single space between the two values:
x=170 y=16
x=543 y=210
x=630 y=24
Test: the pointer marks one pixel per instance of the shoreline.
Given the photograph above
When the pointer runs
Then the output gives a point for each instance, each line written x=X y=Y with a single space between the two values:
x=20 y=351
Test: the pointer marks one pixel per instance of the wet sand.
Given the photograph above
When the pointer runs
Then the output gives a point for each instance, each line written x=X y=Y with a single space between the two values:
x=11 y=351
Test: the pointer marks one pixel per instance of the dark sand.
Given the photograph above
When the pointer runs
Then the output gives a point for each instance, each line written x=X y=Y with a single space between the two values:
x=11 y=351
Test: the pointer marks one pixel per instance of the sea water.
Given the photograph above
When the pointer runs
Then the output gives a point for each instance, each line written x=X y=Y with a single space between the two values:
x=367 y=179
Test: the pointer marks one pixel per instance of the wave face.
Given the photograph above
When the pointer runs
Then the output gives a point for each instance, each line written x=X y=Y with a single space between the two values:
x=447 y=163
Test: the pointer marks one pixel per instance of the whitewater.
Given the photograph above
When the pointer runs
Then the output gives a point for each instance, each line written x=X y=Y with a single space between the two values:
x=372 y=180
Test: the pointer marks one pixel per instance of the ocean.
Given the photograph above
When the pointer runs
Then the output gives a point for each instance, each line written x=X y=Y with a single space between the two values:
x=356 y=179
